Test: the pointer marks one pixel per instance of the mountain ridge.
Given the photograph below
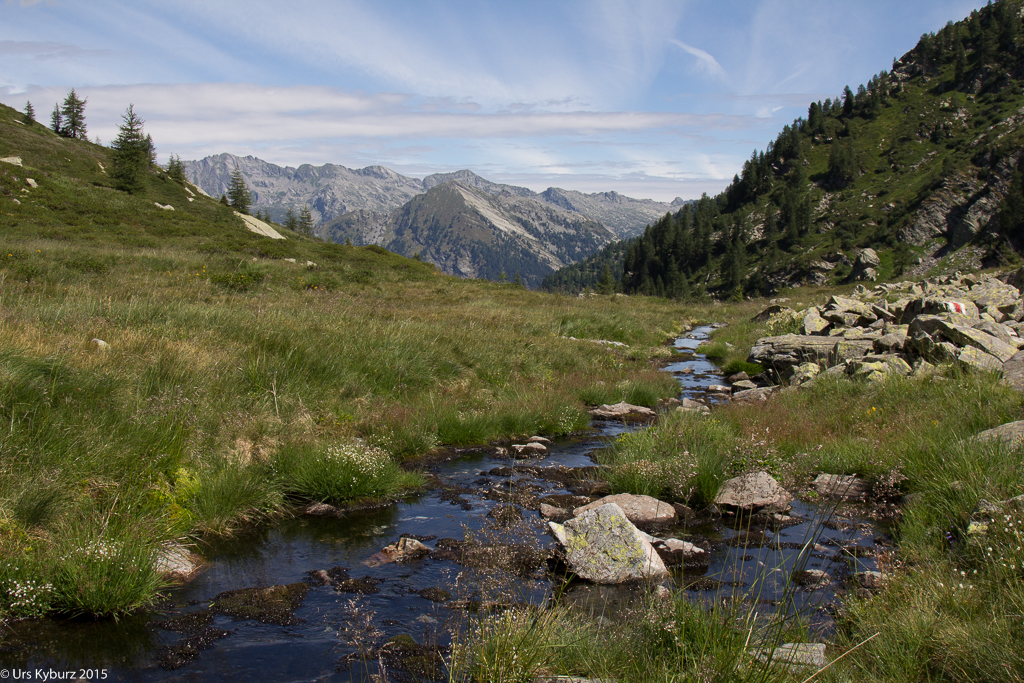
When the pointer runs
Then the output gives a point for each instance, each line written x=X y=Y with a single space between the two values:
x=275 y=189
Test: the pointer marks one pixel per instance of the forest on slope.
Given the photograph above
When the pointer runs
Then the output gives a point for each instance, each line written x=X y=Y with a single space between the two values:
x=921 y=165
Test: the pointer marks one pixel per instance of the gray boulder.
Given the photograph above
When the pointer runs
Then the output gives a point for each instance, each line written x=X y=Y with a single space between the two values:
x=753 y=492
x=603 y=546
x=1013 y=371
x=621 y=410
x=1010 y=434
x=529 y=450
x=759 y=395
x=644 y=511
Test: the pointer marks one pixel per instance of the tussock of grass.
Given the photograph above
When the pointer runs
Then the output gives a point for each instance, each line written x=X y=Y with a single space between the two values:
x=683 y=457
x=341 y=472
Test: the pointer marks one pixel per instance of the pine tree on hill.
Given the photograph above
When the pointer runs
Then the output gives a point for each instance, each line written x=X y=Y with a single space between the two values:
x=305 y=222
x=176 y=169
x=73 y=114
x=57 y=120
x=238 y=192
x=30 y=114
x=131 y=156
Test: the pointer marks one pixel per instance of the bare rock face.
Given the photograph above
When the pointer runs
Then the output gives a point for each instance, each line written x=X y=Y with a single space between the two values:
x=644 y=511
x=754 y=492
x=603 y=546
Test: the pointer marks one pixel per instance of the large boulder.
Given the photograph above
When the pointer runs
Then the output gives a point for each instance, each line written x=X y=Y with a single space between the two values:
x=1010 y=435
x=1013 y=371
x=754 y=492
x=644 y=511
x=603 y=546
x=788 y=350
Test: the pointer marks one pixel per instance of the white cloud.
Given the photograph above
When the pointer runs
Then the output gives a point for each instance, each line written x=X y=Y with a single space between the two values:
x=229 y=113
x=705 y=62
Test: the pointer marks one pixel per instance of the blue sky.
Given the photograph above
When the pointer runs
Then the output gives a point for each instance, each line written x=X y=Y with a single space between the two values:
x=651 y=98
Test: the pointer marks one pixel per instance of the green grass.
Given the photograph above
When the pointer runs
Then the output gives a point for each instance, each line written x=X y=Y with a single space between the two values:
x=227 y=369
x=683 y=457
x=342 y=472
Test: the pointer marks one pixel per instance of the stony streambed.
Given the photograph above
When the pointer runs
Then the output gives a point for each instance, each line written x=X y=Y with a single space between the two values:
x=313 y=598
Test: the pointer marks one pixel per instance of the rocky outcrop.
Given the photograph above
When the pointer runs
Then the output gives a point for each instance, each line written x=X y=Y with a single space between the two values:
x=898 y=329
x=957 y=211
x=603 y=546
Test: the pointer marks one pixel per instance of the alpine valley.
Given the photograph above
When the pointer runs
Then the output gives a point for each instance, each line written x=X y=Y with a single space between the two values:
x=464 y=224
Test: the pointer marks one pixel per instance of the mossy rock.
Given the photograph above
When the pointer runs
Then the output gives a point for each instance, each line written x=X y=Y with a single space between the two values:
x=272 y=605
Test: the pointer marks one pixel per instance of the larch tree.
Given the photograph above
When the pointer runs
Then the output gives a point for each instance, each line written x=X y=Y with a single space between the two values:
x=73 y=113
x=306 y=221
x=238 y=192
x=30 y=114
x=57 y=120
x=131 y=154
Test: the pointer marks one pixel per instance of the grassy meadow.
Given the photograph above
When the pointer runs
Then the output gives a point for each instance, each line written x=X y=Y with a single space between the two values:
x=167 y=374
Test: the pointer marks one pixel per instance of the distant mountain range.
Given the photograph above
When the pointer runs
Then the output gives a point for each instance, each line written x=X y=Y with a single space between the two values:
x=464 y=224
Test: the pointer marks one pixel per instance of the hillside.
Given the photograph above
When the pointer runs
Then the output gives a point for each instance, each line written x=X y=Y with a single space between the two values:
x=915 y=165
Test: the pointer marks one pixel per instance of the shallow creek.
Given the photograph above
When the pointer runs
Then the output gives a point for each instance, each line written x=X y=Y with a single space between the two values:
x=184 y=641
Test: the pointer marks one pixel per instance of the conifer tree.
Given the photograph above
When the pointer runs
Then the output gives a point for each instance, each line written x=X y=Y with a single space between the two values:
x=131 y=154
x=176 y=169
x=606 y=285
x=960 y=68
x=30 y=114
x=73 y=113
x=57 y=120
x=151 y=149
x=290 y=221
x=305 y=221
x=238 y=192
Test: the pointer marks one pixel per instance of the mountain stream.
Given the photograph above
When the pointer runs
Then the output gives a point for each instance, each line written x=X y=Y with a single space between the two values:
x=343 y=613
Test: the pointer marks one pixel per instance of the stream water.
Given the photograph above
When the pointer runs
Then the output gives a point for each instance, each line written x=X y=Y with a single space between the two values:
x=182 y=640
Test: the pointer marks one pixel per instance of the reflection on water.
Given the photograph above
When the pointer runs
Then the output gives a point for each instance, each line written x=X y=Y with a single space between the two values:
x=312 y=649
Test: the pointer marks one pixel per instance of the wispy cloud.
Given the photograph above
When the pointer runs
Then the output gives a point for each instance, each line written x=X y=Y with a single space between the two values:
x=49 y=50
x=705 y=62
